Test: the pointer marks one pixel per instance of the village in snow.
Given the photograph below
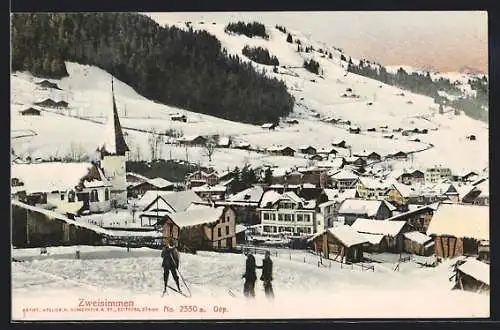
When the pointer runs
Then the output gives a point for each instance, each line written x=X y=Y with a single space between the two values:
x=364 y=196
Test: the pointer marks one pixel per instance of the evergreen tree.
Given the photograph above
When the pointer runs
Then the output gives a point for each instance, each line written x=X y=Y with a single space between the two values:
x=289 y=38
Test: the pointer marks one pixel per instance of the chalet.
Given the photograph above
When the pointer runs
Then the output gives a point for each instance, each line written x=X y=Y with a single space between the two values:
x=178 y=117
x=400 y=155
x=200 y=178
x=464 y=176
x=484 y=197
x=316 y=157
x=425 y=194
x=373 y=156
x=47 y=84
x=50 y=103
x=448 y=191
x=339 y=143
x=156 y=204
x=473 y=275
x=400 y=194
x=30 y=112
x=224 y=142
x=242 y=145
x=354 y=130
x=308 y=150
x=370 y=188
x=34 y=226
x=344 y=179
x=436 y=174
x=356 y=161
x=245 y=204
x=418 y=218
x=62 y=104
x=211 y=193
x=327 y=151
x=194 y=140
x=328 y=213
x=134 y=178
x=341 y=243
x=138 y=189
x=351 y=209
x=418 y=243
x=288 y=213
x=314 y=175
x=471 y=137
x=457 y=229
x=67 y=187
x=281 y=151
x=269 y=126
x=292 y=121
x=383 y=235
x=206 y=228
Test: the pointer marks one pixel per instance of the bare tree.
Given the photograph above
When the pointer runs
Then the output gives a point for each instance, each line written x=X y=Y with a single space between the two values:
x=155 y=141
x=76 y=152
x=210 y=149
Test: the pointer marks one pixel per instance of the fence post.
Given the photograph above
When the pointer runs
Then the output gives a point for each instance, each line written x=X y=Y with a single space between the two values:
x=330 y=264
x=304 y=259
x=290 y=256
x=318 y=264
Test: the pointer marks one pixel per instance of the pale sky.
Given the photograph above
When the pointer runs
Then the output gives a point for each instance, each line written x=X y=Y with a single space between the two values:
x=437 y=40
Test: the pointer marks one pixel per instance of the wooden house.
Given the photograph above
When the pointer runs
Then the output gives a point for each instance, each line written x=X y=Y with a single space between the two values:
x=179 y=117
x=457 y=229
x=62 y=104
x=400 y=155
x=339 y=143
x=281 y=151
x=171 y=230
x=269 y=126
x=418 y=243
x=206 y=228
x=138 y=189
x=472 y=275
x=316 y=157
x=383 y=235
x=200 y=178
x=374 y=157
x=341 y=243
x=211 y=193
x=471 y=137
x=47 y=84
x=418 y=218
x=354 y=130
x=50 y=103
x=351 y=209
x=30 y=112
x=195 y=140
x=343 y=179
x=308 y=150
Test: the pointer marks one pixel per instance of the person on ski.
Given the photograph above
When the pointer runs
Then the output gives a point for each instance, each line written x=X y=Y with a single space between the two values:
x=250 y=277
x=267 y=275
x=170 y=264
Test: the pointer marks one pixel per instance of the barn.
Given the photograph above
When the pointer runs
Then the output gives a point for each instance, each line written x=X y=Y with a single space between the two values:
x=341 y=243
x=458 y=229
x=30 y=112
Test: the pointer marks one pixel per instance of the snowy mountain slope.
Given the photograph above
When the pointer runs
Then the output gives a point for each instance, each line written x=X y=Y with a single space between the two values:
x=87 y=89
x=138 y=275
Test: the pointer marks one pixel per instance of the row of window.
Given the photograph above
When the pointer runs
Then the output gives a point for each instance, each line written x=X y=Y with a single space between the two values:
x=219 y=231
x=94 y=196
x=287 y=217
x=281 y=229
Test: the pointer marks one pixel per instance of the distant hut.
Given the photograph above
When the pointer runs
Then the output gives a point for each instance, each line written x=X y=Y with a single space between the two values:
x=30 y=112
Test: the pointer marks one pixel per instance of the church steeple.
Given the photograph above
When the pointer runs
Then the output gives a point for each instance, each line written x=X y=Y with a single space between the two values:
x=114 y=142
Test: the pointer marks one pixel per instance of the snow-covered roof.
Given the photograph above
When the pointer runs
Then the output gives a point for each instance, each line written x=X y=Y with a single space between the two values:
x=417 y=237
x=292 y=196
x=374 y=239
x=308 y=185
x=197 y=215
x=280 y=171
x=269 y=196
x=327 y=203
x=476 y=269
x=485 y=188
x=348 y=236
x=160 y=182
x=381 y=227
x=154 y=213
x=250 y=195
x=461 y=220
x=405 y=190
x=52 y=176
x=207 y=188
x=132 y=233
x=417 y=209
x=223 y=140
x=138 y=176
x=372 y=183
x=240 y=228
x=334 y=163
x=149 y=196
x=360 y=206
x=268 y=125
x=177 y=200
x=55 y=215
x=344 y=175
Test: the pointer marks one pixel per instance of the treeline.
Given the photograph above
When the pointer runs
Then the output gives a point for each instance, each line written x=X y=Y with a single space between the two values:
x=421 y=83
x=260 y=55
x=186 y=69
x=170 y=170
x=312 y=66
x=281 y=28
x=253 y=29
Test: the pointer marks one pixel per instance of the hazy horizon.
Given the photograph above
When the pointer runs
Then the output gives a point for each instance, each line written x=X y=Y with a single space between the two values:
x=435 y=40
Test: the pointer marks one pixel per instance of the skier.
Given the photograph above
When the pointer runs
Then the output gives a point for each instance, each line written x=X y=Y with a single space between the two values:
x=170 y=264
x=250 y=277
x=267 y=275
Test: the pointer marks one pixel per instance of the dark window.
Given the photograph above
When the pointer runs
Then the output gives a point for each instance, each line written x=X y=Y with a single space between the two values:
x=71 y=196
x=228 y=218
x=94 y=197
x=219 y=232
x=218 y=244
x=62 y=197
x=227 y=230
x=106 y=194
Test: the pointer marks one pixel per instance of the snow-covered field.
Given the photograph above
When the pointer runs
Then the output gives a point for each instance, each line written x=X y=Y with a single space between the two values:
x=302 y=289
x=88 y=91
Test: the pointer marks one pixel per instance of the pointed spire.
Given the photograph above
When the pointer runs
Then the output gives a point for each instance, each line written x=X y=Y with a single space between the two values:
x=114 y=143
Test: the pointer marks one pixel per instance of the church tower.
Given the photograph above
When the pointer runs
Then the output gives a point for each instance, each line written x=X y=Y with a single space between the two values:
x=113 y=155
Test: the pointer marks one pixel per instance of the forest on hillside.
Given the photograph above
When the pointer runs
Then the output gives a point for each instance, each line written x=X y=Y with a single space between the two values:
x=183 y=68
x=423 y=84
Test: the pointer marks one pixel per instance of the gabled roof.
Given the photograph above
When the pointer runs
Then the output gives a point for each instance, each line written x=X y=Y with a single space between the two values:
x=197 y=215
x=269 y=196
x=160 y=183
x=138 y=176
x=179 y=201
x=477 y=270
x=417 y=210
x=344 y=175
x=381 y=227
x=372 y=183
x=268 y=125
x=114 y=142
x=207 y=188
x=347 y=235
x=460 y=220
x=361 y=207
x=417 y=237
x=250 y=195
